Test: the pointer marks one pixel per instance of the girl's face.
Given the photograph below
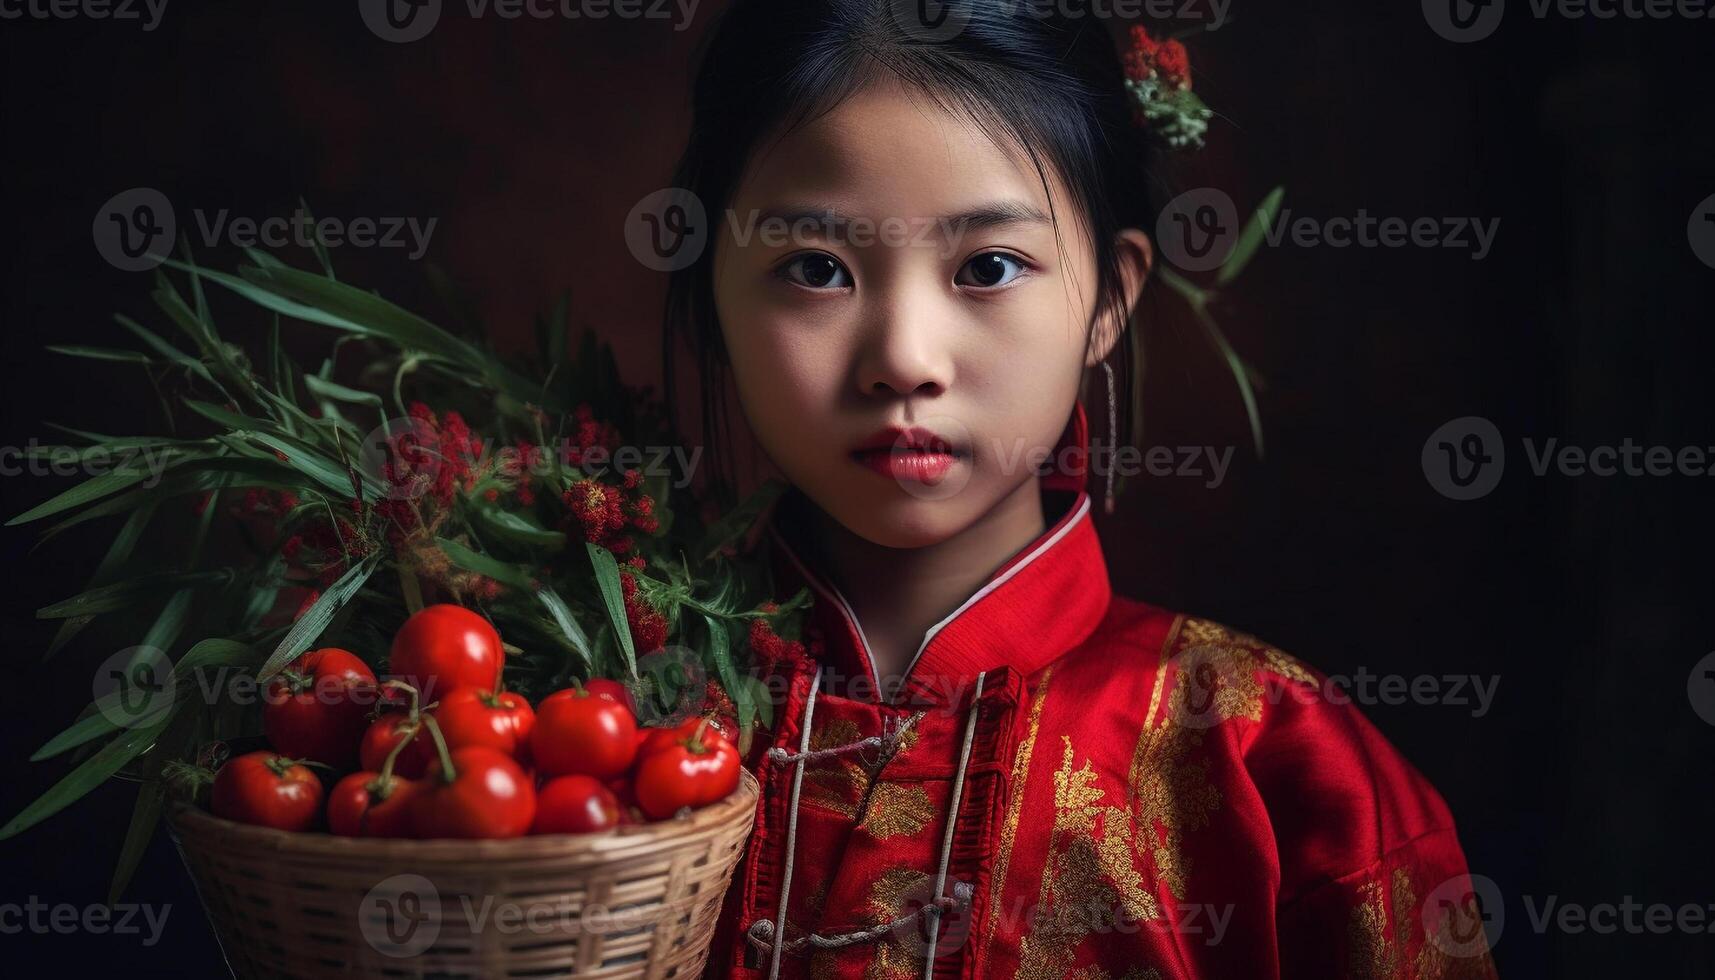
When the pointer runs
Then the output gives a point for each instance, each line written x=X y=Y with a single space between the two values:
x=887 y=265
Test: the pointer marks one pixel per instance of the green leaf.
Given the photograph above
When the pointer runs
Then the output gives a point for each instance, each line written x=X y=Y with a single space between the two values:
x=119 y=595
x=315 y=619
x=96 y=723
x=1251 y=237
x=102 y=353
x=613 y=596
x=118 y=553
x=323 y=388
x=518 y=529
x=562 y=616
x=482 y=564
x=319 y=468
x=92 y=489
x=93 y=772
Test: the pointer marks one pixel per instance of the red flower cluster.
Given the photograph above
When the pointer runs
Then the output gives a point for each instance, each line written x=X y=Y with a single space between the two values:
x=433 y=456
x=767 y=645
x=1149 y=57
x=603 y=513
x=648 y=626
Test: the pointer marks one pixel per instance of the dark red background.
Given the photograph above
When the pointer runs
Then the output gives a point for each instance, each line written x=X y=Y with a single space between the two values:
x=529 y=142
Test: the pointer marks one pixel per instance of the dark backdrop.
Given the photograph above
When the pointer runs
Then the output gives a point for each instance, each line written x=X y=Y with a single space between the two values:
x=1588 y=598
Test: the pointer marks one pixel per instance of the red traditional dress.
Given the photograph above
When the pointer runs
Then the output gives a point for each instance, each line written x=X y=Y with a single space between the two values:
x=1070 y=783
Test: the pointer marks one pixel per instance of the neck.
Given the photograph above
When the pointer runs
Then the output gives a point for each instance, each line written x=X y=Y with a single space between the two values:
x=899 y=593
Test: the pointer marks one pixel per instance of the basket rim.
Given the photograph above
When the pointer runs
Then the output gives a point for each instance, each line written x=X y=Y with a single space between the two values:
x=187 y=820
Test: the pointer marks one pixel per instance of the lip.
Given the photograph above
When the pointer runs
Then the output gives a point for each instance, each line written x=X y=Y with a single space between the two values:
x=909 y=453
x=913 y=437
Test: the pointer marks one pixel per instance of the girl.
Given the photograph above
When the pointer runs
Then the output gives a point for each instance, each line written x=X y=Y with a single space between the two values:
x=986 y=764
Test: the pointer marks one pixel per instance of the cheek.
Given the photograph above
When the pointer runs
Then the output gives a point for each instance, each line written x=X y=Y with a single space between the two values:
x=785 y=370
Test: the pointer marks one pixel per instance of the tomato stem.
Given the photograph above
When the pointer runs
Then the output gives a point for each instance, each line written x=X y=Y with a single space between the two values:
x=398 y=685
x=448 y=774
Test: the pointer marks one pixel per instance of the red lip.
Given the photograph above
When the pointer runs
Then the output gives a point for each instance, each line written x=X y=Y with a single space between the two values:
x=914 y=438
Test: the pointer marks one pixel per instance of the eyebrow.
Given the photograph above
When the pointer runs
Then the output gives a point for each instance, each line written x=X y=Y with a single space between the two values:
x=991 y=214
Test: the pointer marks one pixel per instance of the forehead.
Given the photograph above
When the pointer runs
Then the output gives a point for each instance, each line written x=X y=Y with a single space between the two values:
x=890 y=151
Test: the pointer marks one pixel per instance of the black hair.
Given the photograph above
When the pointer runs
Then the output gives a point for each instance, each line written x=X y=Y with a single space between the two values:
x=1047 y=83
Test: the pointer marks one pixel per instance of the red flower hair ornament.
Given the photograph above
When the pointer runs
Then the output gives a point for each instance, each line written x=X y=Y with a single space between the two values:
x=1158 y=77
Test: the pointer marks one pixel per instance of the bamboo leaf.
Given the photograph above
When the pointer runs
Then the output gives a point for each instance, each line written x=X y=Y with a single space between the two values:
x=613 y=596
x=92 y=489
x=93 y=772
x=315 y=619
x=118 y=553
x=562 y=616
x=1251 y=237
x=482 y=564
x=519 y=529
x=98 y=722
x=102 y=353
x=119 y=595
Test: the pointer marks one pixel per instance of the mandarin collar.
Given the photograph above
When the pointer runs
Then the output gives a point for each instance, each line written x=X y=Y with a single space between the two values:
x=1044 y=600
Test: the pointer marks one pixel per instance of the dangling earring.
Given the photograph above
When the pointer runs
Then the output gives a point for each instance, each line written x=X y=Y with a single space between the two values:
x=1113 y=436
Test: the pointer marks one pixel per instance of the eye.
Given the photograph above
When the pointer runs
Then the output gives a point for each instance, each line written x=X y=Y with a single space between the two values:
x=816 y=270
x=990 y=269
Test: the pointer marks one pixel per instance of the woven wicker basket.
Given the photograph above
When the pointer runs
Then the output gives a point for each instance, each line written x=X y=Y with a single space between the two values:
x=637 y=901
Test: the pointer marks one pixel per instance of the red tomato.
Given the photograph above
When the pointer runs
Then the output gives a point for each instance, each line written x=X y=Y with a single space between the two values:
x=654 y=739
x=574 y=805
x=611 y=689
x=318 y=707
x=691 y=771
x=583 y=733
x=473 y=716
x=267 y=789
x=486 y=795
x=445 y=646
x=385 y=732
x=357 y=808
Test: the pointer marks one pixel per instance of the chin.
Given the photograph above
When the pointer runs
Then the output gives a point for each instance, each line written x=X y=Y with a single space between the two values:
x=904 y=521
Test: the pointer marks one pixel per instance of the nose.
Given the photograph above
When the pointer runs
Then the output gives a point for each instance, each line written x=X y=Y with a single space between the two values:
x=907 y=347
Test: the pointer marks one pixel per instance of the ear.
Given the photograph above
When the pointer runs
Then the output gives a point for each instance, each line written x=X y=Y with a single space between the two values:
x=1136 y=259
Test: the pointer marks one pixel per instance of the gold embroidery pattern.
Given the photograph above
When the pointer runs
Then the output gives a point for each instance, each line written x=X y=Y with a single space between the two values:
x=1214 y=670
x=1377 y=954
x=1090 y=878
x=1374 y=956
x=896 y=811
x=835 y=783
